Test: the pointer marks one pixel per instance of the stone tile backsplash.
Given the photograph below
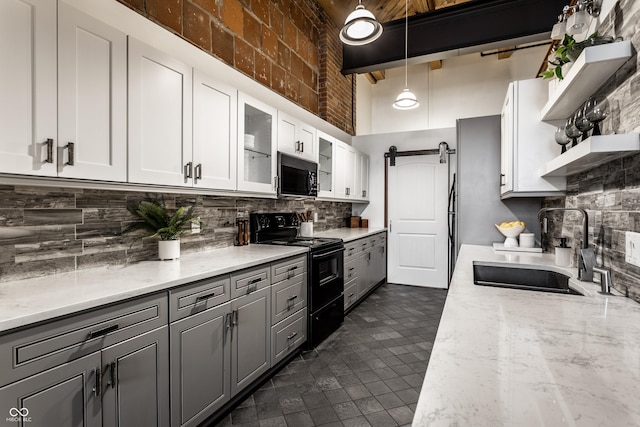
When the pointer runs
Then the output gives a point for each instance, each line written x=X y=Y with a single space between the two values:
x=609 y=193
x=52 y=230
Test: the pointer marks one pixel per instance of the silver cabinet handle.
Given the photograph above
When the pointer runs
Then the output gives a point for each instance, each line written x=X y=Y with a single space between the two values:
x=188 y=170
x=49 y=144
x=97 y=385
x=112 y=374
x=275 y=183
x=71 y=147
x=502 y=180
x=302 y=145
x=198 y=171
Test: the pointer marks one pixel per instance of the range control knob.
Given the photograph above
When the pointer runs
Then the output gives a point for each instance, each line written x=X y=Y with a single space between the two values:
x=264 y=221
x=294 y=220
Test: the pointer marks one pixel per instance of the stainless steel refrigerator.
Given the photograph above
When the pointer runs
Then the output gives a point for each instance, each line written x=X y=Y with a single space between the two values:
x=474 y=203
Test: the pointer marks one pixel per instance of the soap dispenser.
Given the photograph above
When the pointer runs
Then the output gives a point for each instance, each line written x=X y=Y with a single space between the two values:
x=563 y=253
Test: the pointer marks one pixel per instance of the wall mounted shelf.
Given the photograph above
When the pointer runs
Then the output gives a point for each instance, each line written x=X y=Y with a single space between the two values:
x=590 y=153
x=591 y=70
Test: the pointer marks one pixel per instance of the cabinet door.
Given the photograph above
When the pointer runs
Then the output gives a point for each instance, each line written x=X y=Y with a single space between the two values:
x=214 y=133
x=160 y=126
x=28 y=87
x=200 y=365
x=92 y=98
x=379 y=261
x=257 y=146
x=250 y=338
x=362 y=184
x=345 y=180
x=296 y=138
x=365 y=272
x=326 y=166
x=136 y=381
x=507 y=141
x=63 y=396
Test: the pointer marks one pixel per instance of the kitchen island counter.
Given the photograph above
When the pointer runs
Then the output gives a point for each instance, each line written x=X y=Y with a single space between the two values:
x=24 y=302
x=506 y=357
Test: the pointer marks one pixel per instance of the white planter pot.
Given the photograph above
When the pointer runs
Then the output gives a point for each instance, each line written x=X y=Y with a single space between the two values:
x=169 y=249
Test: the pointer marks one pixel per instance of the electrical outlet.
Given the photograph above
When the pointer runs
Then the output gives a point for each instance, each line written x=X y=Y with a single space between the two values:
x=195 y=227
x=632 y=252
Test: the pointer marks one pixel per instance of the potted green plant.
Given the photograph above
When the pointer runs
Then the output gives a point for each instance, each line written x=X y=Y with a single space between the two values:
x=157 y=221
x=560 y=59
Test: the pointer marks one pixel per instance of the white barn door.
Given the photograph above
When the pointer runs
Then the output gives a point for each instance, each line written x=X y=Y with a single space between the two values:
x=417 y=209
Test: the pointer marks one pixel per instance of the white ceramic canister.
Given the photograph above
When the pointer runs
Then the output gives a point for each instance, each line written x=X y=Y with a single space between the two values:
x=527 y=240
x=306 y=229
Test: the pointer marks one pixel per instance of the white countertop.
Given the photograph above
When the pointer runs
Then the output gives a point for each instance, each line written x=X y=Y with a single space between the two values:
x=506 y=357
x=349 y=234
x=23 y=302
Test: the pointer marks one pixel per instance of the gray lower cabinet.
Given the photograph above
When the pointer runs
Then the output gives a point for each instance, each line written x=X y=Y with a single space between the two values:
x=250 y=338
x=200 y=365
x=135 y=381
x=104 y=367
x=63 y=396
x=365 y=265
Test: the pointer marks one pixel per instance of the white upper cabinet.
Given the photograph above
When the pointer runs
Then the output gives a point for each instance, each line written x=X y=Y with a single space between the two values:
x=160 y=122
x=214 y=133
x=92 y=98
x=527 y=143
x=28 y=127
x=326 y=165
x=297 y=138
x=346 y=171
x=362 y=176
x=257 y=147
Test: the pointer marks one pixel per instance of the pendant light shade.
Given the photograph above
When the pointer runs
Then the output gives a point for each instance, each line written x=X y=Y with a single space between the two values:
x=406 y=100
x=360 y=27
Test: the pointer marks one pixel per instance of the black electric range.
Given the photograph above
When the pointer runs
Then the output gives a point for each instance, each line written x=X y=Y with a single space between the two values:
x=325 y=270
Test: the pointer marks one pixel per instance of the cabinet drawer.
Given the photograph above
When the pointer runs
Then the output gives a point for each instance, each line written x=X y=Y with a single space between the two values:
x=350 y=270
x=287 y=297
x=364 y=244
x=350 y=293
x=33 y=350
x=288 y=335
x=197 y=297
x=351 y=249
x=288 y=268
x=250 y=280
x=378 y=239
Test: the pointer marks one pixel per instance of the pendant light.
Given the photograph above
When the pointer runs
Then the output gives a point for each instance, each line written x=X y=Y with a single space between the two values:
x=360 y=27
x=406 y=100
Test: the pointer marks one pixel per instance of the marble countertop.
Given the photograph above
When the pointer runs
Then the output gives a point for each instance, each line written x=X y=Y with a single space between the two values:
x=23 y=302
x=506 y=357
x=349 y=234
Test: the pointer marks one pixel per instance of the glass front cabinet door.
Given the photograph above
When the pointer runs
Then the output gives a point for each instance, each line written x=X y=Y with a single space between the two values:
x=326 y=161
x=257 y=148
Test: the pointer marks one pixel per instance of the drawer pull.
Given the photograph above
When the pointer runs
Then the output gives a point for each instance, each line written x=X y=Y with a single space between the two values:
x=290 y=302
x=291 y=272
x=292 y=336
x=206 y=296
x=351 y=295
x=101 y=332
x=351 y=268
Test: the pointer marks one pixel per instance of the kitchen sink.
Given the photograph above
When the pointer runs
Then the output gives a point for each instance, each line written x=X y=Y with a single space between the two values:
x=531 y=278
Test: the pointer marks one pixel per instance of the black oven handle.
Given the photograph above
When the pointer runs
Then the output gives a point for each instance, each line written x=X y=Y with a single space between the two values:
x=328 y=254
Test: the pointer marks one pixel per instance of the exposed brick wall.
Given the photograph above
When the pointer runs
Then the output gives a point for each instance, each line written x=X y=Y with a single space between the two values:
x=290 y=46
x=610 y=193
x=337 y=92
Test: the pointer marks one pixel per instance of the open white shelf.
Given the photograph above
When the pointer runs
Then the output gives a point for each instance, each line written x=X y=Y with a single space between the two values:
x=590 y=71
x=592 y=152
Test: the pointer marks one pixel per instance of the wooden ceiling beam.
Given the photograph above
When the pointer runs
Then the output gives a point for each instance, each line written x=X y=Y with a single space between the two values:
x=435 y=65
x=375 y=76
x=505 y=53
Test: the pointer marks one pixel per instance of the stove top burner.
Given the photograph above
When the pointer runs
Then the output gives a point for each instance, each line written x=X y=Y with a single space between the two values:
x=282 y=229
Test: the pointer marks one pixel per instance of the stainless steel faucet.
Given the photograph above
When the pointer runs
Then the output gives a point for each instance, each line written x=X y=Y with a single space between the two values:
x=605 y=279
x=586 y=257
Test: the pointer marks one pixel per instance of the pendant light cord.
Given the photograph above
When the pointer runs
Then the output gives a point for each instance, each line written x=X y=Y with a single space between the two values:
x=406 y=42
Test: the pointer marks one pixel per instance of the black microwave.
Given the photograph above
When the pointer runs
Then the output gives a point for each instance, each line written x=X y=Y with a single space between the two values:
x=297 y=177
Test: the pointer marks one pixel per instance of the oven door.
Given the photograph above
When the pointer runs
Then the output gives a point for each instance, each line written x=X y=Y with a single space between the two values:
x=327 y=277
